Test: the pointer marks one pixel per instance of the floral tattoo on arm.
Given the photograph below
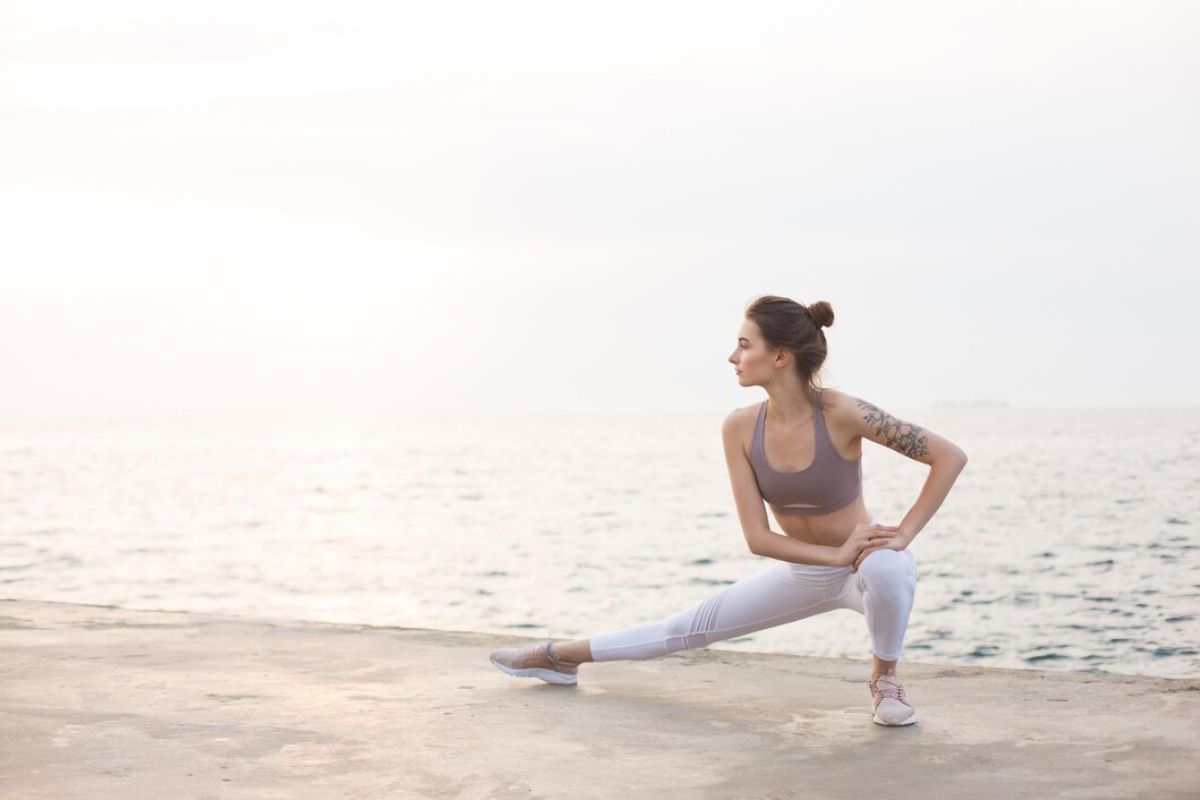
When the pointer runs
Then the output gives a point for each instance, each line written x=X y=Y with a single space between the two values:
x=901 y=436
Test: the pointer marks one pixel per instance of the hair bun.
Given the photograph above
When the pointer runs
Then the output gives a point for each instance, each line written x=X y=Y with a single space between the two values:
x=821 y=313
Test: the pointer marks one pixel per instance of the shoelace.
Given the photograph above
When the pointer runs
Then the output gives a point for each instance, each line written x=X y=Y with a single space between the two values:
x=888 y=688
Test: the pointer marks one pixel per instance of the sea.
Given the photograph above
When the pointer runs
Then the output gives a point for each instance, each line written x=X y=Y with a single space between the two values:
x=1071 y=540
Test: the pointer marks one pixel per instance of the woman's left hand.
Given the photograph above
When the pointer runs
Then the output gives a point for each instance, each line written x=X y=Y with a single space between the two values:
x=898 y=542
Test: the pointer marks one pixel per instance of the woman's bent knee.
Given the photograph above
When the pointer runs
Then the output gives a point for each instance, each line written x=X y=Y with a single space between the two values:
x=888 y=567
x=884 y=559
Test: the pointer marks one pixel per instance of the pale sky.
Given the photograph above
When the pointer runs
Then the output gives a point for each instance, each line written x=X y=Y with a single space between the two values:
x=398 y=207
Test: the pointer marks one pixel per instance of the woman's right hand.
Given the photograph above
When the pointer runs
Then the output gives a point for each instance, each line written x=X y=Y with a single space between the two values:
x=864 y=535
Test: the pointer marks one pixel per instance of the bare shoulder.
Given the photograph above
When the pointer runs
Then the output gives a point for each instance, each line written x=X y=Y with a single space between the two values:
x=738 y=417
x=839 y=405
x=850 y=414
x=739 y=422
x=843 y=421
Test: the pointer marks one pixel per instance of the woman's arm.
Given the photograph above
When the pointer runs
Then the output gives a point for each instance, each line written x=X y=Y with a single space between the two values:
x=942 y=475
x=945 y=459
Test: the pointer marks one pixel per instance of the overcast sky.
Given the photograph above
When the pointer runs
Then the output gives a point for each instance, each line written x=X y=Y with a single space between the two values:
x=229 y=206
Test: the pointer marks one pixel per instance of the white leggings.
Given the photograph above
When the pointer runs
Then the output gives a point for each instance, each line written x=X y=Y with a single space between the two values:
x=882 y=590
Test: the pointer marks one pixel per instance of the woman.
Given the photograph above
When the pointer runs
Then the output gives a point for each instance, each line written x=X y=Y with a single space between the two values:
x=800 y=451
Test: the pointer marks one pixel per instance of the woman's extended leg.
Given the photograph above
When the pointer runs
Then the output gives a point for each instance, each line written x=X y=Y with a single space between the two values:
x=779 y=594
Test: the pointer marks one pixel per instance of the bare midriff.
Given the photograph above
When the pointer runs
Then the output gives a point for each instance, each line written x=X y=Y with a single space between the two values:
x=830 y=530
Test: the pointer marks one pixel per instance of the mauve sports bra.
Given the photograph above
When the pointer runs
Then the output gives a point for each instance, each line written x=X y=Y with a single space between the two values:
x=828 y=484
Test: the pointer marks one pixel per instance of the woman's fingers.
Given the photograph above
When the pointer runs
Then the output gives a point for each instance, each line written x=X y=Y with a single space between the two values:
x=883 y=545
x=871 y=538
x=875 y=539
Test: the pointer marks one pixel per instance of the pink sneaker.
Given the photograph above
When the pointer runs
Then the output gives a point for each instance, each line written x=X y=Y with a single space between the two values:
x=536 y=661
x=889 y=704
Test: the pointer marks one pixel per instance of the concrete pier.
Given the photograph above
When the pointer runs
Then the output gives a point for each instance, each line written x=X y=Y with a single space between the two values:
x=97 y=702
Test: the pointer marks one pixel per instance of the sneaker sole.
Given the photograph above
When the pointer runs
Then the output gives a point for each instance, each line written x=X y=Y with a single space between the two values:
x=909 y=721
x=548 y=675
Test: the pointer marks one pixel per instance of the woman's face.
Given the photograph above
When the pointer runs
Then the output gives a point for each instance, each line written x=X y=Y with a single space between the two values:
x=750 y=357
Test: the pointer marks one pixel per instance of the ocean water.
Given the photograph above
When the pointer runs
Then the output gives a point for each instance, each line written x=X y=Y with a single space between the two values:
x=1070 y=542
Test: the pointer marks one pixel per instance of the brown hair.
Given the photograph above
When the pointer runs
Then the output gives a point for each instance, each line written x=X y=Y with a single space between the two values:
x=786 y=323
